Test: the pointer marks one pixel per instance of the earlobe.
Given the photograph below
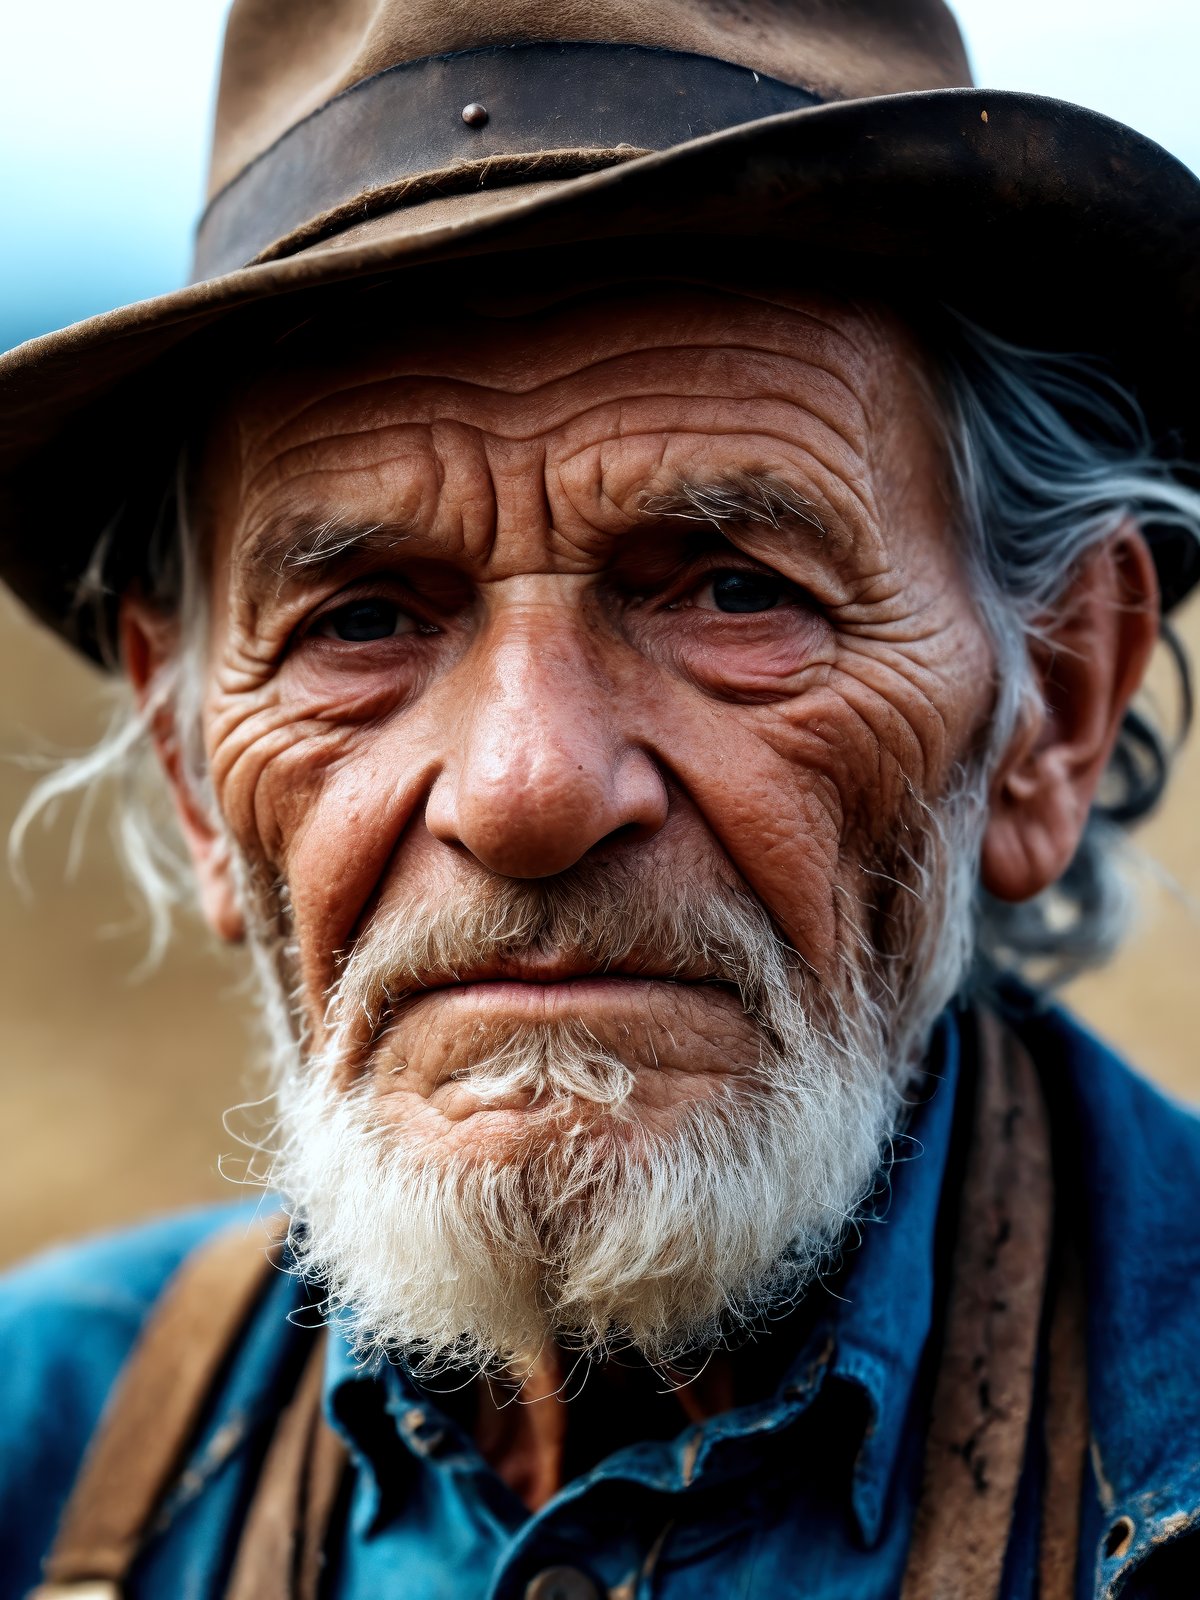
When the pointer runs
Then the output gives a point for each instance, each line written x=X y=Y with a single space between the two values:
x=1089 y=660
x=218 y=898
x=147 y=643
x=1036 y=819
x=215 y=887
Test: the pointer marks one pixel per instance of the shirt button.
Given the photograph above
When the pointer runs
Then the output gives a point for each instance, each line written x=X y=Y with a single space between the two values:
x=562 y=1583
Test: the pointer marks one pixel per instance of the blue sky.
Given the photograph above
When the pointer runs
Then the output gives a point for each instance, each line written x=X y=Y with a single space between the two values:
x=104 y=111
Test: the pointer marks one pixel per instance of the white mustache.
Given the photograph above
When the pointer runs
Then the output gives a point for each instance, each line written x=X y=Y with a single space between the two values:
x=595 y=919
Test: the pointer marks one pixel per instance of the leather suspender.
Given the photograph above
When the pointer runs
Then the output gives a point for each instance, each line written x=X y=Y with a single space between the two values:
x=983 y=1396
x=140 y=1446
x=281 y=1554
x=982 y=1410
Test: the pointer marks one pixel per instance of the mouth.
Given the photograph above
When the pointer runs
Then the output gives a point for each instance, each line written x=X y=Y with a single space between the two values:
x=554 y=984
x=549 y=997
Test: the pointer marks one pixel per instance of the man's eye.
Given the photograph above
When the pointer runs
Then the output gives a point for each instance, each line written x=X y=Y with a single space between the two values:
x=363 y=620
x=741 y=591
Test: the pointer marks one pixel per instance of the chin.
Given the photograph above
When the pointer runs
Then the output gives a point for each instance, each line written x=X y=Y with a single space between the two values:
x=528 y=1084
x=561 y=1204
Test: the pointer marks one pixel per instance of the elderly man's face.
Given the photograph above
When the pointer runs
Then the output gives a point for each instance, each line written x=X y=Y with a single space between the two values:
x=514 y=645
x=657 y=592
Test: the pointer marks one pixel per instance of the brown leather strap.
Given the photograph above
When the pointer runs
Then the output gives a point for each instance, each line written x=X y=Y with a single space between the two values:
x=1065 y=1424
x=153 y=1412
x=281 y=1554
x=983 y=1395
x=366 y=145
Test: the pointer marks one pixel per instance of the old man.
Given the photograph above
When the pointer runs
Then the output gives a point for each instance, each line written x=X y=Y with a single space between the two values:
x=634 y=558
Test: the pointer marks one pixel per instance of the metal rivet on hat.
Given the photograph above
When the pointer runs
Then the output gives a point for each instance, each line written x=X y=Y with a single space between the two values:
x=474 y=115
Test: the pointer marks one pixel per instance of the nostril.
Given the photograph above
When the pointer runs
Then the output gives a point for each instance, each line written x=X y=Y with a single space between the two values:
x=627 y=833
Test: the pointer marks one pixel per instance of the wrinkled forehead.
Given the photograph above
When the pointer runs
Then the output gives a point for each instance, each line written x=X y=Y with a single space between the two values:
x=548 y=328
x=530 y=358
x=519 y=337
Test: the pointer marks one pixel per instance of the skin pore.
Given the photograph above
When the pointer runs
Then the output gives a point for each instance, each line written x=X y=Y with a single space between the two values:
x=473 y=619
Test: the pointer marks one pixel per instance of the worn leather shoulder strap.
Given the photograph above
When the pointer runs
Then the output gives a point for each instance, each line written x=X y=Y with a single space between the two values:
x=282 y=1551
x=153 y=1413
x=1003 y=1270
x=1066 y=1430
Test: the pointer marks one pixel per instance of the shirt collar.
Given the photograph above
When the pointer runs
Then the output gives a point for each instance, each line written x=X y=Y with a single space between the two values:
x=872 y=1336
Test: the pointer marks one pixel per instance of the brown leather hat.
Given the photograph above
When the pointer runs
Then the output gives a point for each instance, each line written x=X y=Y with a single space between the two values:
x=359 y=138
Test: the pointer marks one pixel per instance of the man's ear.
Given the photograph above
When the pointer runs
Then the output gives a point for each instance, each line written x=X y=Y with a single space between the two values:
x=147 y=643
x=1089 y=659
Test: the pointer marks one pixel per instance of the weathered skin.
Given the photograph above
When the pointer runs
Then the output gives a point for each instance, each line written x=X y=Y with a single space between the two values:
x=561 y=685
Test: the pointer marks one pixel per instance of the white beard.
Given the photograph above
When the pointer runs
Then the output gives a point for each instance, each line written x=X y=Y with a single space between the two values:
x=596 y=1229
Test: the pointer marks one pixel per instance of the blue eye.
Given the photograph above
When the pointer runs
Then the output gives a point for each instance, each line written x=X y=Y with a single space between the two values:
x=363 y=620
x=745 y=591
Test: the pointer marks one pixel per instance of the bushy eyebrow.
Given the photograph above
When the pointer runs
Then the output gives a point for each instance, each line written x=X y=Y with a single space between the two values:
x=740 y=498
x=292 y=548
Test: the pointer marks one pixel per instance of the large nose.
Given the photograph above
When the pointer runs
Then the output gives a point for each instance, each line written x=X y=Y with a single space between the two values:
x=543 y=770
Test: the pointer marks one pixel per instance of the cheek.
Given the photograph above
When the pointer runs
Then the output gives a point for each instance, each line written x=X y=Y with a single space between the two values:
x=319 y=805
x=348 y=820
x=776 y=817
x=804 y=792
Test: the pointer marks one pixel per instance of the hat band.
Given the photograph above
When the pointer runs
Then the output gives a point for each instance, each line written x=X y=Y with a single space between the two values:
x=424 y=116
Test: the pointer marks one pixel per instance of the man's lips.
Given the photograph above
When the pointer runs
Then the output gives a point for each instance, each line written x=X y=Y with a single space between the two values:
x=552 y=970
x=553 y=981
x=595 y=998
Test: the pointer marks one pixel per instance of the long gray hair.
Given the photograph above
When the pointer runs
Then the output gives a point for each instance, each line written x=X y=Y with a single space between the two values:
x=1047 y=455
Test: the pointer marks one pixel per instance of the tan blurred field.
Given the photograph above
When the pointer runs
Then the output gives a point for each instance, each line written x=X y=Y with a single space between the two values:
x=112 y=1091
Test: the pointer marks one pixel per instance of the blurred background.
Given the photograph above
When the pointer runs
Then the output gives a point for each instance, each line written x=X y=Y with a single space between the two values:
x=112 y=1087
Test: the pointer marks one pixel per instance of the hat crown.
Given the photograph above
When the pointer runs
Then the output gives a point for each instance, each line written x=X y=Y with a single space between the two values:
x=285 y=58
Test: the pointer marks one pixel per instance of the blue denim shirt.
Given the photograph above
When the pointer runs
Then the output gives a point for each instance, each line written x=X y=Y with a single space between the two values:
x=809 y=1491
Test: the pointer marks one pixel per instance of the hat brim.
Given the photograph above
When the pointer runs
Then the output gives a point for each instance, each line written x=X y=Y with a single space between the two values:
x=1051 y=224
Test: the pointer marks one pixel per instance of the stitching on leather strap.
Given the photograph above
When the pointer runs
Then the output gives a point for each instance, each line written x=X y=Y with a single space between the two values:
x=467 y=177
